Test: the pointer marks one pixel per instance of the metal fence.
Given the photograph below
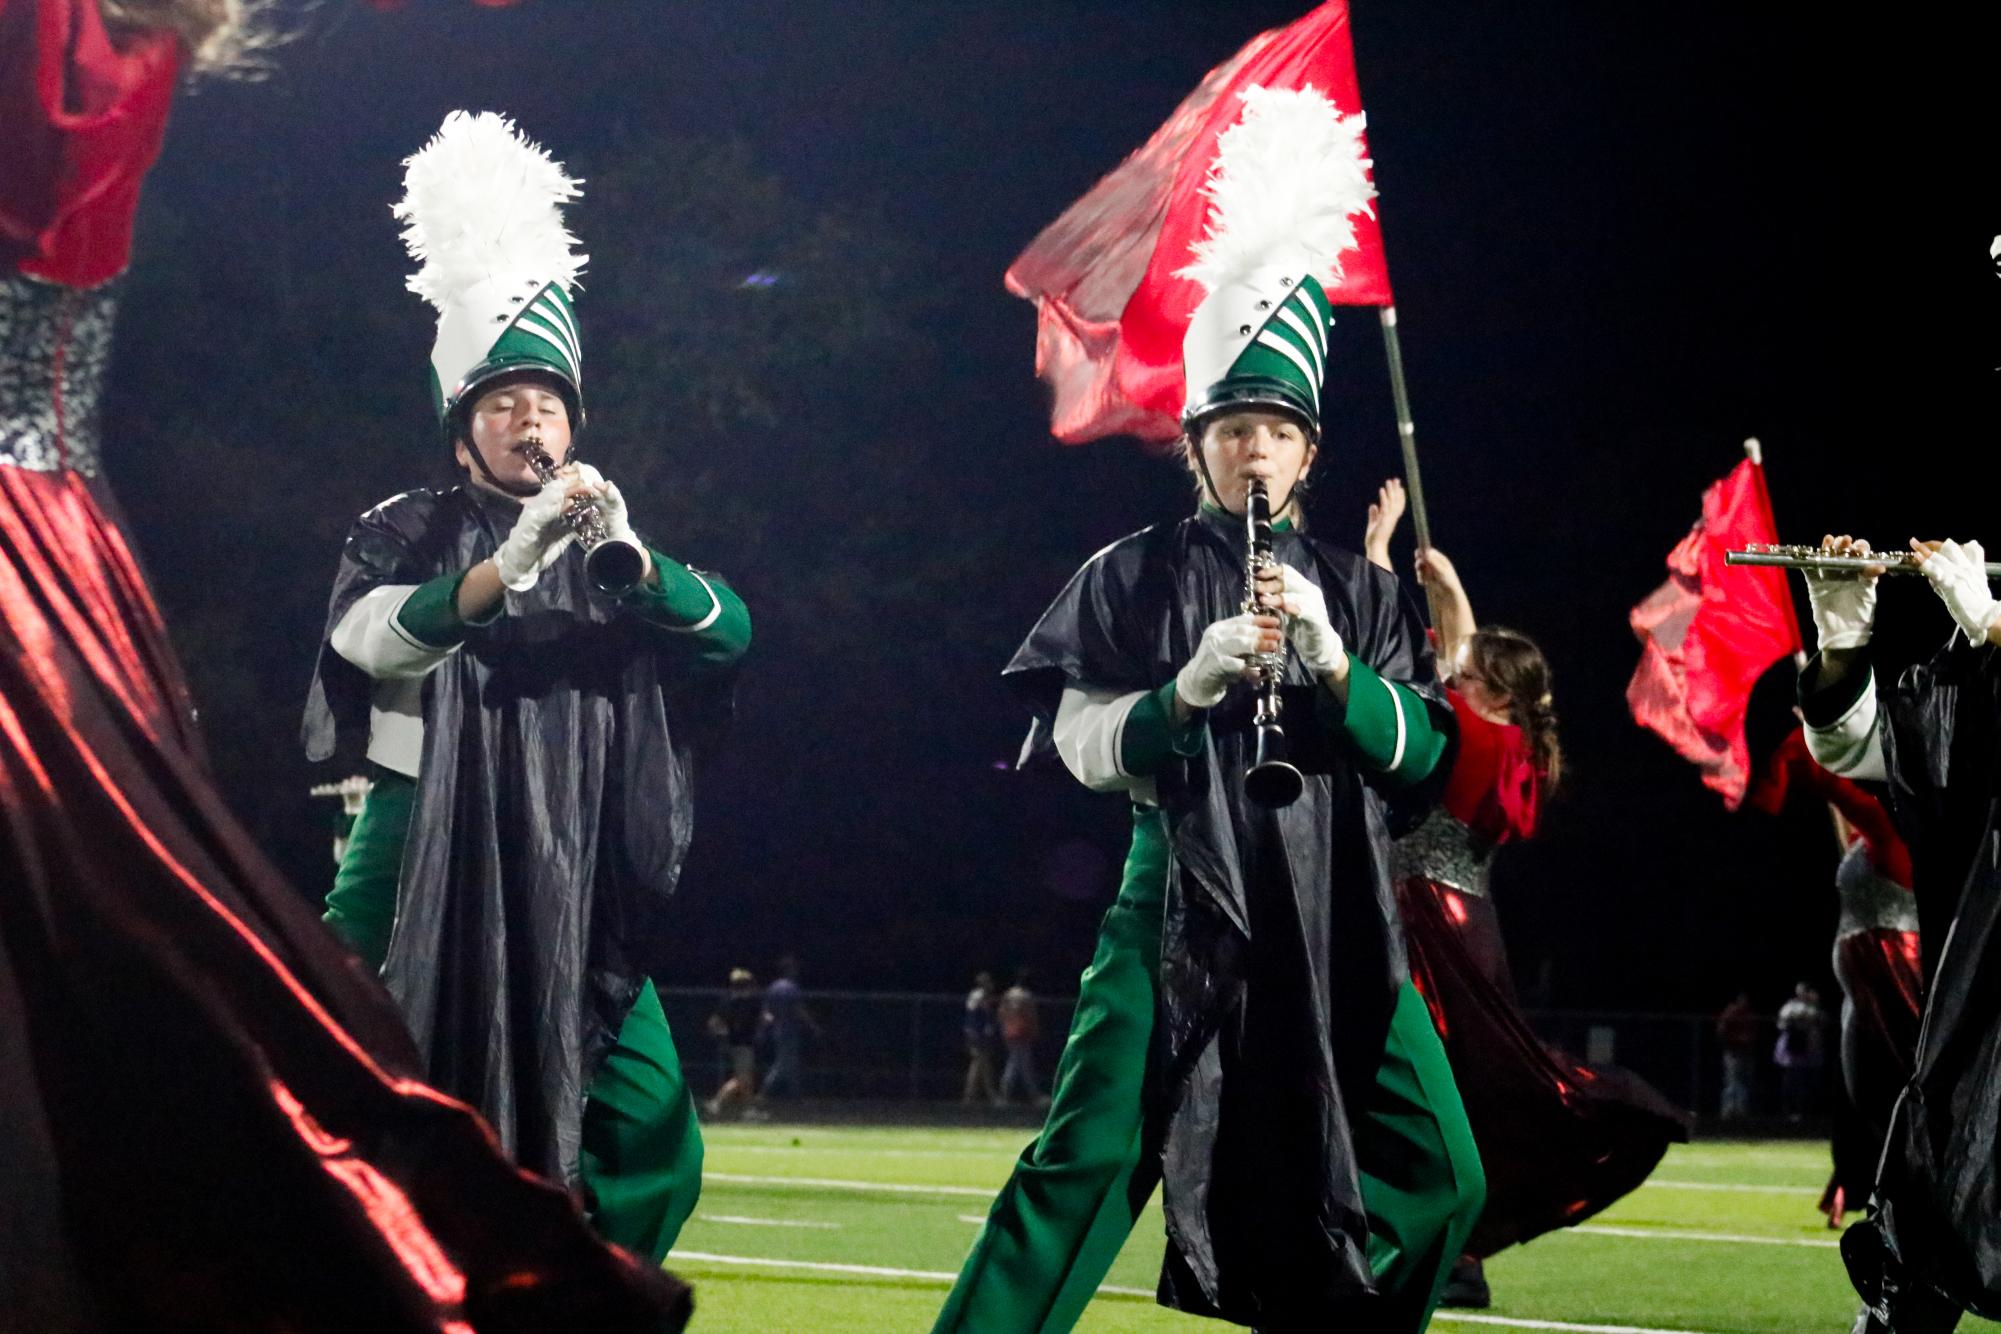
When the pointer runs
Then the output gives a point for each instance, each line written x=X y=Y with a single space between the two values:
x=901 y=1046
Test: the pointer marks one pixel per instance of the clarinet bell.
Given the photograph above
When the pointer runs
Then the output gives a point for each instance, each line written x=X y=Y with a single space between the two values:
x=1272 y=782
x=615 y=566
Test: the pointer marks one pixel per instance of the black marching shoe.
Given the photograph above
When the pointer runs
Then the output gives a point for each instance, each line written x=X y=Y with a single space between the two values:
x=1466 y=1286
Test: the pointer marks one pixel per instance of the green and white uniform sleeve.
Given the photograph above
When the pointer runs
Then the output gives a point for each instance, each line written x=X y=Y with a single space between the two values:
x=398 y=634
x=402 y=631
x=1113 y=742
x=1389 y=726
x=1844 y=731
x=700 y=607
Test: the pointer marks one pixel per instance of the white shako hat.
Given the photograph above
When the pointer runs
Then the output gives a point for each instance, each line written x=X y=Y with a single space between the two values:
x=1289 y=179
x=482 y=216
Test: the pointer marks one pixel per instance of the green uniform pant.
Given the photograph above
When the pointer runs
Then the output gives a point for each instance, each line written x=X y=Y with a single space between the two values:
x=1063 y=1216
x=642 y=1148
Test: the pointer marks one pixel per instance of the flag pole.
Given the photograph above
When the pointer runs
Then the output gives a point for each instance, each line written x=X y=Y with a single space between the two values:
x=1413 y=482
x=1406 y=429
x=1755 y=451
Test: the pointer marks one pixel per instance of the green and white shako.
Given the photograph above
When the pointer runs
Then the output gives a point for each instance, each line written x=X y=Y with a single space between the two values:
x=482 y=216
x=1289 y=179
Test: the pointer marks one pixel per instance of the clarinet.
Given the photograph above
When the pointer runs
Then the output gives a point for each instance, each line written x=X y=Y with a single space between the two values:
x=1270 y=781
x=615 y=564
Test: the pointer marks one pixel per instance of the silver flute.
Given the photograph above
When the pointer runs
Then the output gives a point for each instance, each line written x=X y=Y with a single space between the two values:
x=615 y=565
x=1814 y=560
x=1271 y=781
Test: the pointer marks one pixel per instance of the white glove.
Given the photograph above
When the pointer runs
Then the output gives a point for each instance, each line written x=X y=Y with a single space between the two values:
x=617 y=524
x=1220 y=661
x=610 y=503
x=1313 y=636
x=539 y=536
x=1958 y=575
x=1844 y=608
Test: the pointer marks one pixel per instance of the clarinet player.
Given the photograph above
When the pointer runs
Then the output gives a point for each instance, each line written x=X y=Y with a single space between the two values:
x=531 y=736
x=1246 y=1036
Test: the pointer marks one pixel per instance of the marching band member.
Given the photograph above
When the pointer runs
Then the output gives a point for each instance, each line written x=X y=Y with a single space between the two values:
x=532 y=735
x=1932 y=733
x=1246 y=1034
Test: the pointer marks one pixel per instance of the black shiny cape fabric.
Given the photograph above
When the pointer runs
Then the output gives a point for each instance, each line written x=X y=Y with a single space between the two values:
x=1280 y=961
x=209 y=1117
x=1559 y=1140
x=553 y=812
x=1939 y=1188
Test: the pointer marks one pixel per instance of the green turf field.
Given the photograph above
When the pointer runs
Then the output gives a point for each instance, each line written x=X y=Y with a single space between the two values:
x=824 y=1230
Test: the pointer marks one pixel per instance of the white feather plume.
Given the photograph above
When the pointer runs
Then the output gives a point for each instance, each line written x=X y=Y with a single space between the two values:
x=1289 y=180
x=482 y=200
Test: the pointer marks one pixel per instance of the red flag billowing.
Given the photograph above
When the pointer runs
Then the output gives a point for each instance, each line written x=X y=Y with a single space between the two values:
x=1110 y=313
x=1709 y=633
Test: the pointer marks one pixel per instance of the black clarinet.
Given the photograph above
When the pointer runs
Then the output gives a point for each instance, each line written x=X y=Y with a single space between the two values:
x=1271 y=781
x=613 y=564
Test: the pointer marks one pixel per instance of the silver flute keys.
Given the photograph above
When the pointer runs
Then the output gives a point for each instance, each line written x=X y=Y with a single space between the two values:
x=1814 y=560
x=615 y=565
x=1271 y=781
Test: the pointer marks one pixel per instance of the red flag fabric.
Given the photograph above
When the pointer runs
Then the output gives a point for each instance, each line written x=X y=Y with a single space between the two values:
x=1110 y=313
x=1709 y=633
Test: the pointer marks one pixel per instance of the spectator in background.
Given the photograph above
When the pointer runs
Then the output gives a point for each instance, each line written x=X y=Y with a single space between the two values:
x=982 y=1029
x=1020 y=1027
x=735 y=1025
x=1801 y=1050
x=787 y=1020
x=1737 y=1033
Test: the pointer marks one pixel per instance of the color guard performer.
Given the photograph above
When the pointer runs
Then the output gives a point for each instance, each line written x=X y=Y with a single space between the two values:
x=1876 y=954
x=1559 y=1140
x=209 y=1118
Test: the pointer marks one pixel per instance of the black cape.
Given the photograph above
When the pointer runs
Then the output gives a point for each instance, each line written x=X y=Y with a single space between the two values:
x=1938 y=1217
x=553 y=812
x=1281 y=957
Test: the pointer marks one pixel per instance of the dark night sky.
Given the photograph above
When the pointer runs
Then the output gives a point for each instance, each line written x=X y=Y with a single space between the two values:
x=1623 y=238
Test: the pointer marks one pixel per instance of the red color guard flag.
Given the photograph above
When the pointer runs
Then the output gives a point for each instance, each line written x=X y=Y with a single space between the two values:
x=1709 y=633
x=1110 y=312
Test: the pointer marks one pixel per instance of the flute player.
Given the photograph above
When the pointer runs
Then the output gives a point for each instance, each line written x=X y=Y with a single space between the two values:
x=1932 y=733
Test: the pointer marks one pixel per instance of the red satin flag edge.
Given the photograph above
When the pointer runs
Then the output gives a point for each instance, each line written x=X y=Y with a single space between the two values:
x=1709 y=633
x=1110 y=312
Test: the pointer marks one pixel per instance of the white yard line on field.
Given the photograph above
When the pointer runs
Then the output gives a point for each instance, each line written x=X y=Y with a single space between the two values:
x=1732 y=1186
x=1677 y=1234
x=1568 y=1327
x=762 y=1222
x=940 y=1276
x=823 y=1183
x=817 y=1266
x=973 y=1218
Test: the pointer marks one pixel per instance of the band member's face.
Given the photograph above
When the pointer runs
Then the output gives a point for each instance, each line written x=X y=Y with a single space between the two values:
x=1486 y=699
x=504 y=419
x=1238 y=446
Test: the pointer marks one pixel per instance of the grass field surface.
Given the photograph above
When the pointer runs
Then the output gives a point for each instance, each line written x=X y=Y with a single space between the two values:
x=832 y=1230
